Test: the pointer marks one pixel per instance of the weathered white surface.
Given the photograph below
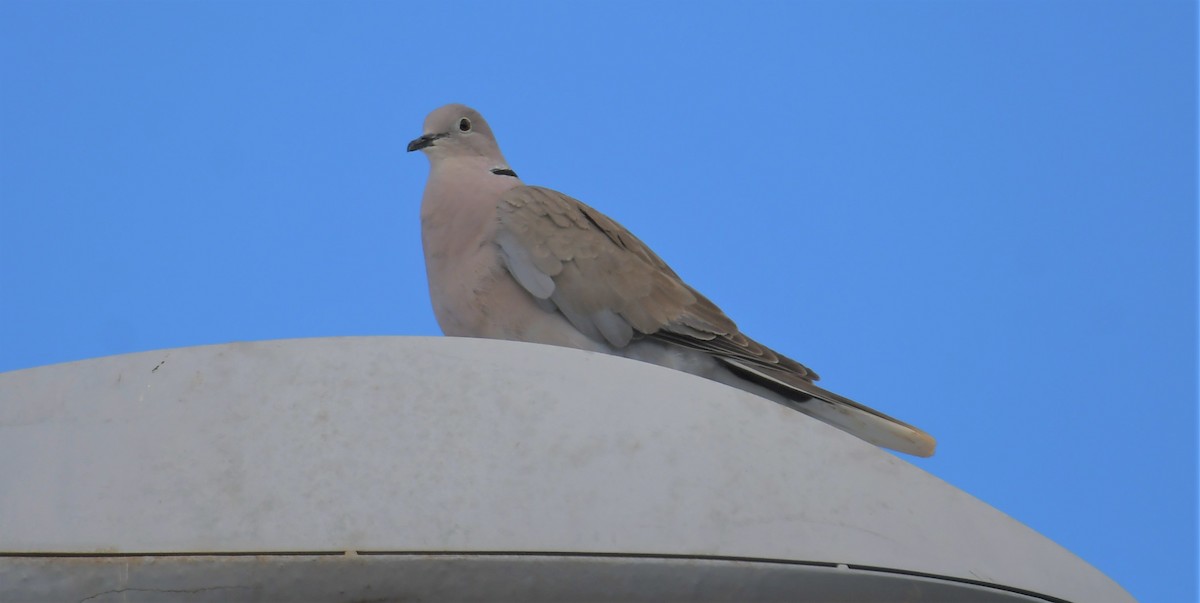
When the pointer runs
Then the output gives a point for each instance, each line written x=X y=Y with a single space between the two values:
x=440 y=444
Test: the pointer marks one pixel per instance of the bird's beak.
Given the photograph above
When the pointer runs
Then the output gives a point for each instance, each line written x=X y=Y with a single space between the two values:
x=424 y=141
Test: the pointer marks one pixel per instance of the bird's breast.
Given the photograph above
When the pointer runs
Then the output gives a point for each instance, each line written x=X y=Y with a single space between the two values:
x=461 y=269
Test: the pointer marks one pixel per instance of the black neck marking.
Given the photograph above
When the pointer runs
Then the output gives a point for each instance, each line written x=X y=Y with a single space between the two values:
x=504 y=172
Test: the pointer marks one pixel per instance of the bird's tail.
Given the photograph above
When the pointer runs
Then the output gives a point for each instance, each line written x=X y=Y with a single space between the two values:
x=838 y=411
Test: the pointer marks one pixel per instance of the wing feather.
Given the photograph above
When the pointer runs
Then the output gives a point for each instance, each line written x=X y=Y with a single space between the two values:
x=613 y=288
x=608 y=283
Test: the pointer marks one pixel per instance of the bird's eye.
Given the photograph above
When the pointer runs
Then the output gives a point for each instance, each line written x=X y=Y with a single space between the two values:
x=464 y=125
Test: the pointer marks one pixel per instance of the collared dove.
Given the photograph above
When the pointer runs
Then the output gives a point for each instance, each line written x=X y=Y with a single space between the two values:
x=526 y=263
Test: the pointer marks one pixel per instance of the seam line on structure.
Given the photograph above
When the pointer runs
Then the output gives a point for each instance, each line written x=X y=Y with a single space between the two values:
x=381 y=553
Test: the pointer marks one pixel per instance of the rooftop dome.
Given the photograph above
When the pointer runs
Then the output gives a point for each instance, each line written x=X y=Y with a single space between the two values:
x=467 y=469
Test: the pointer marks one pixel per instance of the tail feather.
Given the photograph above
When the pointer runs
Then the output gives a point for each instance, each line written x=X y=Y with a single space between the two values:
x=838 y=411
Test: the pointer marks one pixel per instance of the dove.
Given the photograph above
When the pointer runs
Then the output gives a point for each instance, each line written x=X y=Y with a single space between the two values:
x=506 y=260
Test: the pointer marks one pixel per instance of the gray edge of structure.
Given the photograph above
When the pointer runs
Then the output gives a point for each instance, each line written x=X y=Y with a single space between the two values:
x=493 y=451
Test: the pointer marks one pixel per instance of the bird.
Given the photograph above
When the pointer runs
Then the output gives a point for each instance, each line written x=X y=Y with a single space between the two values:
x=506 y=260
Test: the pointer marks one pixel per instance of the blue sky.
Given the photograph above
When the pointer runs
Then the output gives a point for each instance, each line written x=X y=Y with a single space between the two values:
x=980 y=217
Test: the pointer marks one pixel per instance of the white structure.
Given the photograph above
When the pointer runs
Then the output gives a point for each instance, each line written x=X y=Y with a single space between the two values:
x=389 y=468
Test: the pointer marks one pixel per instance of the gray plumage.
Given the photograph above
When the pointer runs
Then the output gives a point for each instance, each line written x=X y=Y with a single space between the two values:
x=526 y=263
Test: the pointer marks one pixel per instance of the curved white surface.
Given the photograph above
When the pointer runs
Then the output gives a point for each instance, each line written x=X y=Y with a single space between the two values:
x=395 y=444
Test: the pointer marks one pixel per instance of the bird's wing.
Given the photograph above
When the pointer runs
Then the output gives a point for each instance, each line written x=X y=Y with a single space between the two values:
x=613 y=288
x=609 y=284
